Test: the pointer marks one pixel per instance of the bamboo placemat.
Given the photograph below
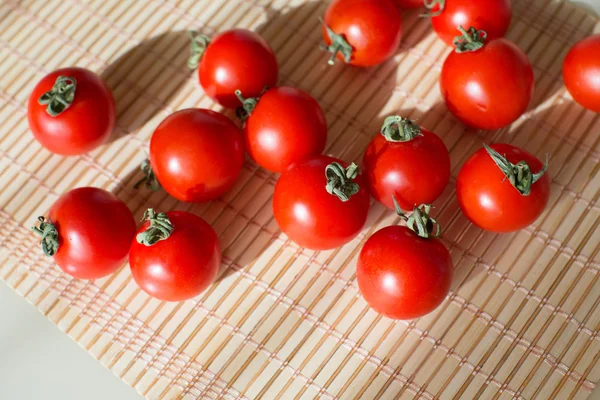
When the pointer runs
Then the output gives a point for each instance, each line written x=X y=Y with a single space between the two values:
x=522 y=320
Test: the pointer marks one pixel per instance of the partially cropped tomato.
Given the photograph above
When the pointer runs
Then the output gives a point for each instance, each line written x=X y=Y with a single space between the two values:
x=406 y=162
x=237 y=59
x=175 y=256
x=405 y=273
x=71 y=111
x=487 y=85
x=502 y=188
x=406 y=4
x=320 y=203
x=196 y=154
x=284 y=126
x=362 y=32
x=88 y=231
x=491 y=16
x=581 y=72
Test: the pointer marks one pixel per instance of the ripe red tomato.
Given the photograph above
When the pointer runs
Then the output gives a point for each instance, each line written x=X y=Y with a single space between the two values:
x=581 y=72
x=489 y=199
x=88 y=231
x=406 y=4
x=488 y=87
x=402 y=275
x=175 y=256
x=320 y=203
x=407 y=162
x=196 y=154
x=491 y=16
x=71 y=111
x=237 y=59
x=284 y=126
x=362 y=32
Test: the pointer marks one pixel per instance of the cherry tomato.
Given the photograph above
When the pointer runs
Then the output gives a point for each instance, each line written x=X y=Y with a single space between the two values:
x=196 y=154
x=406 y=162
x=581 y=72
x=237 y=59
x=71 y=111
x=401 y=274
x=284 y=126
x=88 y=232
x=362 y=32
x=487 y=195
x=487 y=87
x=406 y=4
x=320 y=203
x=175 y=256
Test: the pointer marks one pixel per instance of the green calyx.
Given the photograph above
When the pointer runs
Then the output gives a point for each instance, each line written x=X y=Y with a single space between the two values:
x=399 y=129
x=431 y=4
x=248 y=105
x=160 y=228
x=149 y=178
x=60 y=97
x=338 y=45
x=519 y=175
x=420 y=222
x=470 y=40
x=199 y=43
x=49 y=235
x=340 y=181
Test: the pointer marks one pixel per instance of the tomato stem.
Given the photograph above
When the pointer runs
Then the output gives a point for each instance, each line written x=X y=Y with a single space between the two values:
x=198 y=45
x=399 y=129
x=431 y=4
x=470 y=40
x=49 y=235
x=248 y=105
x=339 y=180
x=160 y=228
x=519 y=175
x=338 y=45
x=149 y=178
x=60 y=97
x=420 y=222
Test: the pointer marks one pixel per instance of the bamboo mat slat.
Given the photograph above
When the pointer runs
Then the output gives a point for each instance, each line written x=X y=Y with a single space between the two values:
x=523 y=317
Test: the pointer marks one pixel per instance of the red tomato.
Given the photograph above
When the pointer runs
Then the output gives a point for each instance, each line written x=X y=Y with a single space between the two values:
x=491 y=16
x=362 y=32
x=581 y=72
x=489 y=199
x=88 y=232
x=312 y=217
x=232 y=60
x=406 y=4
x=284 y=126
x=71 y=111
x=490 y=87
x=175 y=256
x=196 y=154
x=402 y=275
x=406 y=162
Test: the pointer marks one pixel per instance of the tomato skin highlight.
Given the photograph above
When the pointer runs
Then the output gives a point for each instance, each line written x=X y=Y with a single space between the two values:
x=372 y=27
x=312 y=217
x=489 y=200
x=287 y=125
x=84 y=125
x=237 y=59
x=181 y=266
x=488 y=88
x=401 y=275
x=581 y=72
x=196 y=154
x=95 y=230
x=415 y=172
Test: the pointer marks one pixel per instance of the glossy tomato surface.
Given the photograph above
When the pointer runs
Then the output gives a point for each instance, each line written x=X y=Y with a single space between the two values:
x=581 y=72
x=95 y=230
x=492 y=16
x=237 y=59
x=312 y=217
x=372 y=27
x=402 y=275
x=81 y=127
x=415 y=172
x=490 y=201
x=181 y=266
x=488 y=88
x=406 y=4
x=196 y=154
x=287 y=125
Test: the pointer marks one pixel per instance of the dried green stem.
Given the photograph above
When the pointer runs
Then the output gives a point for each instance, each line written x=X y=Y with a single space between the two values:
x=198 y=45
x=149 y=178
x=399 y=129
x=339 y=44
x=470 y=40
x=49 y=234
x=420 y=221
x=340 y=181
x=431 y=4
x=160 y=228
x=60 y=97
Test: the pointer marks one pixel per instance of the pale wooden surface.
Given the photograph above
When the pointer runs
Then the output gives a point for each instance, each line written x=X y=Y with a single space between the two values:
x=522 y=320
